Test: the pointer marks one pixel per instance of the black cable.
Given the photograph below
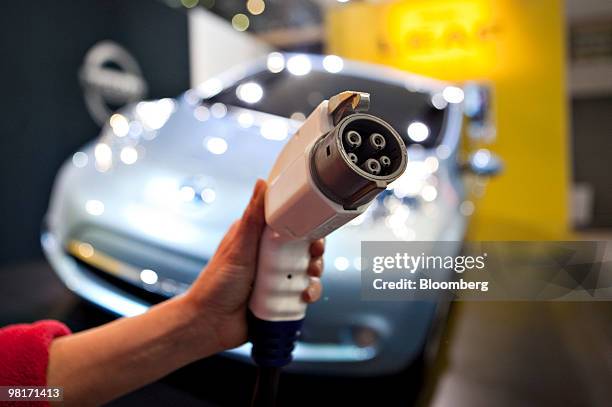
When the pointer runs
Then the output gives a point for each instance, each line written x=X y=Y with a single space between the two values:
x=266 y=387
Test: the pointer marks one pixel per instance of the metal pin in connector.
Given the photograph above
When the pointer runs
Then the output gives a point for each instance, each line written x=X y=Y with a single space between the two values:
x=384 y=161
x=353 y=139
x=377 y=141
x=371 y=166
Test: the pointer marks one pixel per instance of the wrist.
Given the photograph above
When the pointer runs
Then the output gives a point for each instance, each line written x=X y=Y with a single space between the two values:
x=226 y=326
x=195 y=331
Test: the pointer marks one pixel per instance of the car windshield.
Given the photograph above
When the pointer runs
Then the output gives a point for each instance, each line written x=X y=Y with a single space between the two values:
x=287 y=95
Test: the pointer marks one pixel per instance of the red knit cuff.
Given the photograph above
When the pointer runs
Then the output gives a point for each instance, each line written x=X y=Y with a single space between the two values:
x=24 y=352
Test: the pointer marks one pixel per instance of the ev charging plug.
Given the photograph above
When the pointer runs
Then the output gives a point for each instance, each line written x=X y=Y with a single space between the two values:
x=327 y=174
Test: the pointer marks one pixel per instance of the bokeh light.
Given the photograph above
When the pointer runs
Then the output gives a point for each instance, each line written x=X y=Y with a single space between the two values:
x=189 y=3
x=256 y=7
x=80 y=159
x=148 y=276
x=201 y=113
x=215 y=145
x=240 y=22
x=94 y=207
x=299 y=65
x=218 y=110
x=418 y=131
x=275 y=62
x=333 y=64
x=453 y=94
x=249 y=92
x=128 y=155
x=119 y=124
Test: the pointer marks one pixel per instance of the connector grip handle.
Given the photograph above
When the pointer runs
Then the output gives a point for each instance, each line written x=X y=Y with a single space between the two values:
x=281 y=277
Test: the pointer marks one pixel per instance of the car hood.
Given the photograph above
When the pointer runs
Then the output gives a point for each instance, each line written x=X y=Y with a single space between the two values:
x=229 y=147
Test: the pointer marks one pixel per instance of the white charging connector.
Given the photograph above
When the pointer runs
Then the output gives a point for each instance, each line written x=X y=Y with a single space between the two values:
x=327 y=174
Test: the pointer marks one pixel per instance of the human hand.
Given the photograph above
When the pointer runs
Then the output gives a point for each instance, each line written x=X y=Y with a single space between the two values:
x=221 y=292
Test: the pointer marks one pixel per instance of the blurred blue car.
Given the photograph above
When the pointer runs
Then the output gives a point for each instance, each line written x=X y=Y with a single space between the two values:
x=137 y=213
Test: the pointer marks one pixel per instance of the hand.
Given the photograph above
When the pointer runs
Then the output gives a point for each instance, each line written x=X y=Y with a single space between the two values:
x=221 y=292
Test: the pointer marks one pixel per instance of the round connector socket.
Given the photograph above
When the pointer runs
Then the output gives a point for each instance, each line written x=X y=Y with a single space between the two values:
x=352 y=139
x=353 y=175
x=377 y=141
x=385 y=161
x=372 y=166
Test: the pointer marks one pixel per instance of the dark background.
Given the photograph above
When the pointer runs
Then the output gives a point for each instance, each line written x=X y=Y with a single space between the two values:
x=592 y=144
x=44 y=119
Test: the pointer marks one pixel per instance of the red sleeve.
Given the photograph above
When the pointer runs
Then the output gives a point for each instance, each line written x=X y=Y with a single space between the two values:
x=24 y=353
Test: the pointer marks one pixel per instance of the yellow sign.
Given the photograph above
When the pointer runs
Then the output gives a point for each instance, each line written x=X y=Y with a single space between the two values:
x=517 y=46
x=440 y=31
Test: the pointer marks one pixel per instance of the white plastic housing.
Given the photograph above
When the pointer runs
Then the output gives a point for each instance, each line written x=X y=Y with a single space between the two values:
x=297 y=212
x=281 y=278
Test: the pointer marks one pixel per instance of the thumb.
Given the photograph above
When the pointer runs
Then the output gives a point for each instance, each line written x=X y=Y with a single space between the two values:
x=251 y=224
